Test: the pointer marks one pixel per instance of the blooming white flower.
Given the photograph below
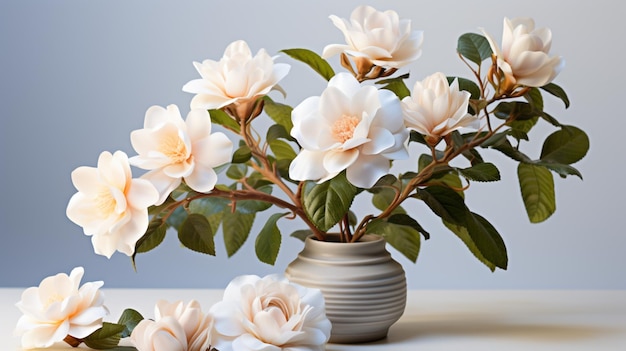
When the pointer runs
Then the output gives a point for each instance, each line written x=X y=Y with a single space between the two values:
x=382 y=37
x=237 y=78
x=270 y=314
x=436 y=108
x=174 y=149
x=110 y=205
x=523 y=57
x=352 y=127
x=176 y=327
x=58 y=307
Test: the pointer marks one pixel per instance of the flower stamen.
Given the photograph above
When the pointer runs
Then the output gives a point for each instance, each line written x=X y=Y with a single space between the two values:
x=343 y=128
x=174 y=148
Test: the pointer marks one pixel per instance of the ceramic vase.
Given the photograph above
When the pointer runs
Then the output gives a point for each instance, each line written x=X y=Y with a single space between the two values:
x=364 y=288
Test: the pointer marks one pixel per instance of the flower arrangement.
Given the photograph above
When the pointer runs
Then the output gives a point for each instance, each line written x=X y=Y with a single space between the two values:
x=322 y=154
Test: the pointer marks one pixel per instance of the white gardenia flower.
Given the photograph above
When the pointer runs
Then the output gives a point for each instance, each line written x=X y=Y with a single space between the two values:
x=237 y=78
x=59 y=307
x=110 y=205
x=523 y=57
x=382 y=37
x=349 y=127
x=173 y=149
x=436 y=108
x=176 y=327
x=260 y=314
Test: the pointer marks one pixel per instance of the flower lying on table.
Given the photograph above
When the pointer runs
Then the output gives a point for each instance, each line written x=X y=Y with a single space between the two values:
x=268 y=313
x=333 y=147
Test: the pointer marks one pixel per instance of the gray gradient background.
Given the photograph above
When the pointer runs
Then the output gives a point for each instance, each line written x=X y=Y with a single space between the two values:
x=77 y=76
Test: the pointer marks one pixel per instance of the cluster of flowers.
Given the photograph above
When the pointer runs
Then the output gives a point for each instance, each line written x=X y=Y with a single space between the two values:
x=350 y=127
x=255 y=314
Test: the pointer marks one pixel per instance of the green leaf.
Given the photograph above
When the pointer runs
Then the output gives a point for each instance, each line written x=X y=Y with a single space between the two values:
x=196 y=234
x=444 y=202
x=533 y=96
x=561 y=169
x=242 y=154
x=268 y=241
x=236 y=228
x=237 y=171
x=397 y=86
x=278 y=131
x=481 y=172
x=312 y=59
x=253 y=206
x=279 y=113
x=474 y=47
x=153 y=237
x=505 y=147
x=282 y=150
x=107 y=337
x=567 y=146
x=129 y=319
x=515 y=111
x=223 y=119
x=302 y=234
x=404 y=219
x=482 y=239
x=537 y=186
x=557 y=91
x=524 y=126
x=467 y=85
x=326 y=204
x=403 y=238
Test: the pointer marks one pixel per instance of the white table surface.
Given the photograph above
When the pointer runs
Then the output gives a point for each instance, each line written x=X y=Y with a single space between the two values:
x=434 y=320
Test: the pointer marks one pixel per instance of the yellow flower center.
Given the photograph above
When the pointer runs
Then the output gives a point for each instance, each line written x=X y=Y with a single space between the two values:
x=105 y=201
x=343 y=128
x=174 y=148
x=52 y=299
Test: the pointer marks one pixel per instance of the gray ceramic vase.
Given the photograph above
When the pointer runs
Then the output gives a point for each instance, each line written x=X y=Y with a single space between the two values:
x=364 y=288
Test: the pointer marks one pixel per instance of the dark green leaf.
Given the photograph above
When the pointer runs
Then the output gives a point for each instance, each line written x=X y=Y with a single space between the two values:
x=537 y=186
x=561 y=169
x=196 y=234
x=404 y=219
x=505 y=147
x=302 y=234
x=153 y=237
x=523 y=126
x=533 y=96
x=467 y=85
x=129 y=319
x=237 y=171
x=236 y=227
x=268 y=241
x=397 y=86
x=221 y=118
x=444 y=202
x=403 y=238
x=312 y=59
x=474 y=47
x=253 y=206
x=107 y=337
x=567 y=146
x=326 y=204
x=557 y=91
x=515 y=111
x=177 y=217
x=482 y=172
x=279 y=113
x=278 y=131
x=417 y=137
x=282 y=150
x=242 y=154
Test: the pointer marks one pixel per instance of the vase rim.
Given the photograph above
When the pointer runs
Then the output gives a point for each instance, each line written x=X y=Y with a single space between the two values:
x=365 y=239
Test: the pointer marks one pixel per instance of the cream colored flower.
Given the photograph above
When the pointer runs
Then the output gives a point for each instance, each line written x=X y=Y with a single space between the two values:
x=349 y=127
x=110 y=205
x=174 y=149
x=270 y=314
x=436 y=108
x=237 y=79
x=523 y=57
x=176 y=327
x=381 y=37
x=60 y=307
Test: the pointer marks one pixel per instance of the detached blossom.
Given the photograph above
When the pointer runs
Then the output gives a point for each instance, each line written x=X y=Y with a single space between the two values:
x=270 y=314
x=523 y=57
x=436 y=108
x=176 y=327
x=236 y=81
x=349 y=127
x=110 y=205
x=380 y=38
x=174 y=149
x=58 y=308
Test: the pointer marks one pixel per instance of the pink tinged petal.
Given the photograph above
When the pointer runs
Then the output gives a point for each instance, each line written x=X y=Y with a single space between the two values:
x=308 y=165
x=380 y=140
x=247 y=342
x=85 y=180
x=179 y=170
x=202 y=179
x=337 y=161
x=44 y=335
x=366 y=170
x=115 y=170
x=103 y=245
x=228 y=318
x=155 y=117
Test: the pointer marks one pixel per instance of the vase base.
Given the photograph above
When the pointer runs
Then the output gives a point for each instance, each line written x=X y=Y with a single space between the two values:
x=357 y=338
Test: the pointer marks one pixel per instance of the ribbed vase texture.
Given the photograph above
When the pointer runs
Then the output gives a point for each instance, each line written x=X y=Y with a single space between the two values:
x=364 y=288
